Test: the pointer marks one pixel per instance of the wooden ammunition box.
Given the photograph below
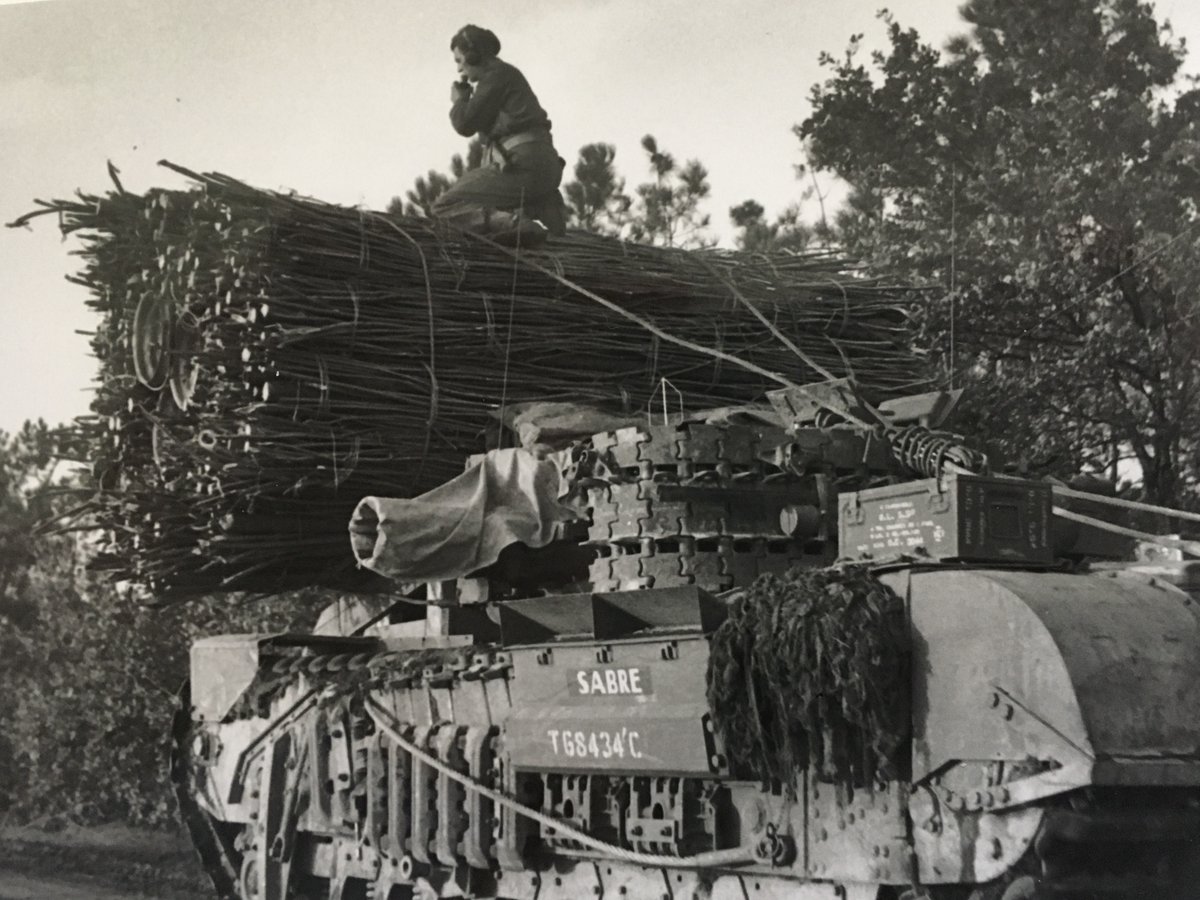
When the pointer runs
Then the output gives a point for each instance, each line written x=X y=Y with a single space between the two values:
x=957 y=517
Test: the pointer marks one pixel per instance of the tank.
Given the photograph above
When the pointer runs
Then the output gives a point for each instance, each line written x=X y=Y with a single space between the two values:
x=545 y=732
x=813 y=651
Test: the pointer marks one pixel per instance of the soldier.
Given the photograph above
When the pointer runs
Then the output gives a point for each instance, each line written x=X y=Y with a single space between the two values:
x=518 y=182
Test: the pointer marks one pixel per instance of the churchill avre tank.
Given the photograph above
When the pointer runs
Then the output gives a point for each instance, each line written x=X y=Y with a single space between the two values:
x=817 y=651
x=814 y=658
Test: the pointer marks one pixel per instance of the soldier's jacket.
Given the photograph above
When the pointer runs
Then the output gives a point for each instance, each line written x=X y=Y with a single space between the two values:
x=502 y=105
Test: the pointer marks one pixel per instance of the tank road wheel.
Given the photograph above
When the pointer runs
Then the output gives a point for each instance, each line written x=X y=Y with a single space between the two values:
x=248 y=881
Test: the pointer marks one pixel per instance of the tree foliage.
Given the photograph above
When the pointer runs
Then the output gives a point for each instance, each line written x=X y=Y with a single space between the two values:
x=26 y=476
x=419 y=199
x=757 y=235
x=596 y=199
x=1043 y=171
x=667 y=210
x=88 y=677
x=789 y=231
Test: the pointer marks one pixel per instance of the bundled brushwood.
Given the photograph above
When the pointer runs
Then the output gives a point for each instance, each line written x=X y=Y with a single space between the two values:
x=267 y=360
x=811 y=671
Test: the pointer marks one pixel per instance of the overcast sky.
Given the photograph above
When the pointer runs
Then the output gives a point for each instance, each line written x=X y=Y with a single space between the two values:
x=347 y=100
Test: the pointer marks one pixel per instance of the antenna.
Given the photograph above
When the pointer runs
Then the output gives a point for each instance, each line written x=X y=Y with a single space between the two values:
x=953 y=264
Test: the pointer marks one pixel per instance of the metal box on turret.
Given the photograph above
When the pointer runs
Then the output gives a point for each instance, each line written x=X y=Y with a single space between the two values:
x=972 y=518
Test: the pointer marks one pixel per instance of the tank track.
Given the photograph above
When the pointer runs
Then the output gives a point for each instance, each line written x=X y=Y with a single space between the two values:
x=1102 y=845
x=1092 y=844
x=695 y=504
x=1095 y=845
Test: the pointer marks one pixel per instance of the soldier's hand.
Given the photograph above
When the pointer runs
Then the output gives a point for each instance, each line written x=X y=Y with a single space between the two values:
x=460 y=90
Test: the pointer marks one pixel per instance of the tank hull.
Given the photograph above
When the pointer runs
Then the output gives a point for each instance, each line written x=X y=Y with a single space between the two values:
x=1053 y=744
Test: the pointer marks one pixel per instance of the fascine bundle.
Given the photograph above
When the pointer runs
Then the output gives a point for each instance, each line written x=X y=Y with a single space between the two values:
x=266 y=360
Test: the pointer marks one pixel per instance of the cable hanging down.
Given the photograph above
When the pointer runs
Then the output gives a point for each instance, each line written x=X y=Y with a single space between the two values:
x=713 y=859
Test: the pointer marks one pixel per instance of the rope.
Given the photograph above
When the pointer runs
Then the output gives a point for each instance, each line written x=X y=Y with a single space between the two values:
x=1192 y=547
x=953 y=259
x=1127 y=504
x=512 y=305
x=431 y=367
x=771 y=326
x=636 y=319
x=711 y=859
x=678 y=341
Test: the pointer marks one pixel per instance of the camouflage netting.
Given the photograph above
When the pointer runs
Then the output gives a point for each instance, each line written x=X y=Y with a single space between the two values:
x=812 y=671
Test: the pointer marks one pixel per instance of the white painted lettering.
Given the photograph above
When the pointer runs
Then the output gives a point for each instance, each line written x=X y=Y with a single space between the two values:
x=609 y=682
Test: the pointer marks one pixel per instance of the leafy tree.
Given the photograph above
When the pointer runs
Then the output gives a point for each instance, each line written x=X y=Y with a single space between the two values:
x=25 y=466
x=87 y=675
x=596 y=199
x=667 y=212
x=1043 y=172
x=26 y=474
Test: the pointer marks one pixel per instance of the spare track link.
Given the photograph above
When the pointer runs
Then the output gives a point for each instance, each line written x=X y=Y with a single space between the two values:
x=691 y=504
x=714 y=564
x=693 y=450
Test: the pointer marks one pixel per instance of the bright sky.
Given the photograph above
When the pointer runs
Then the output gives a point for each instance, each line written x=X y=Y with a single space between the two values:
x=347 y=100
